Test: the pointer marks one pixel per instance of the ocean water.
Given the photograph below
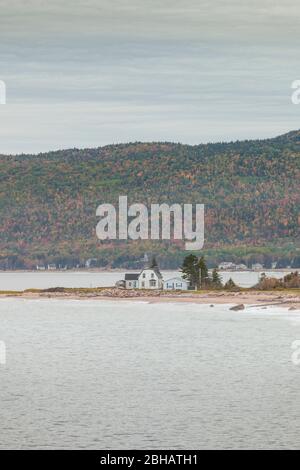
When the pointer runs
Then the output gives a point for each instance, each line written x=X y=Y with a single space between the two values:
x=45 y=279
x=92 y=374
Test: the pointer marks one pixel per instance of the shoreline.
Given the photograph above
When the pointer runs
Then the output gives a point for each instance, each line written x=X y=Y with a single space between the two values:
x=290 y=300
x=122 y=270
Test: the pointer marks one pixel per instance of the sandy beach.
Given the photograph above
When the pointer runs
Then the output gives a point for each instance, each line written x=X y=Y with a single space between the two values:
x=288 y=299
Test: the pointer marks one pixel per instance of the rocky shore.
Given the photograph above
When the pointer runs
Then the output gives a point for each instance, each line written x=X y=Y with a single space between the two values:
x=287 y=299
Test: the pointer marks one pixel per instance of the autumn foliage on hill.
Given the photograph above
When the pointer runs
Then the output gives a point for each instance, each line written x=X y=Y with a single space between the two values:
x=48 y=201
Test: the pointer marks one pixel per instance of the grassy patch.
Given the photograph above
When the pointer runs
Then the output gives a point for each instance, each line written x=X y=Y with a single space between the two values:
x=10 y=292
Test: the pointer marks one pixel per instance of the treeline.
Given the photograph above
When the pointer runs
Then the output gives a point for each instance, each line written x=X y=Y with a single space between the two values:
x=125 y=261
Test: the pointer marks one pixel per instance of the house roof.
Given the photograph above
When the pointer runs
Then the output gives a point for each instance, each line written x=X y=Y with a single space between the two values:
x=155 y=270
x=177 y=279
x=131 y=277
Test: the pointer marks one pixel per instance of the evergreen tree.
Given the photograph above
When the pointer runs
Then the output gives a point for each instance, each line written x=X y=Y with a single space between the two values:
x=195 y=271
x=230 y=285
x=153 y=263
x=190 y=270
x=203 y=272
x=216 y=279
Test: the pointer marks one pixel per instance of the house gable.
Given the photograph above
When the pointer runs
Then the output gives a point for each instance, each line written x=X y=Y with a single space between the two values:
x=150 y=279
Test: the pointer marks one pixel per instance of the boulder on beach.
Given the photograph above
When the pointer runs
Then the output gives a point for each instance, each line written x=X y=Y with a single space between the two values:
x=237 y=307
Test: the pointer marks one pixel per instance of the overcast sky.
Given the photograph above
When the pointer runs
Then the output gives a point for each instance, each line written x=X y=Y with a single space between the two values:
x=84 y=73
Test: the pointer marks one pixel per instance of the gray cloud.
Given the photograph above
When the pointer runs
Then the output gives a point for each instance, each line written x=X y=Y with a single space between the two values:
x=86 y=73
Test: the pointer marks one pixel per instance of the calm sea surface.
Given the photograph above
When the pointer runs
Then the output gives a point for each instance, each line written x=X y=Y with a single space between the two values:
x=45 y=279
x=107 y=374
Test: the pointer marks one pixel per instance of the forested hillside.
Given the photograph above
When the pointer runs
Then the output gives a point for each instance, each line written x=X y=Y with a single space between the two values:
x=251 y=191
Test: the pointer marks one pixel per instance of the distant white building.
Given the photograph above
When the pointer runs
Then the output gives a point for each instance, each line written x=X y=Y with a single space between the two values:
x=176 y=283
x=241 y=267
x=257 y=267
x=91 y=262
x=150 y=278
x=40 y=267
x=51 y=267
x=227 y=266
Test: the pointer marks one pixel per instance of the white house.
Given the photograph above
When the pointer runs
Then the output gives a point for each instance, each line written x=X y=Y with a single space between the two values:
x=91 y=262
x=176 y=283
x=227 y=266
x=257 y=267
x=241 y=267
x=40 y=267
x=151 y=278
x=51 y=267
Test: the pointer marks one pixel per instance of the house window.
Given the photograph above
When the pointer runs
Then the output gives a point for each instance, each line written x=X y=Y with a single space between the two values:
x=129 y=283
x=143 y=284
x=144 y=275
x=152 y=275
x=152 y=283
